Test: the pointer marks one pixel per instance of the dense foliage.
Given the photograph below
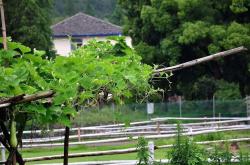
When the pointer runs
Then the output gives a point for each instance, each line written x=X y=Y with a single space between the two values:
x=92 y=75
x=187 y=152
x=28 y=22
x=168 y=32
x=105 y=9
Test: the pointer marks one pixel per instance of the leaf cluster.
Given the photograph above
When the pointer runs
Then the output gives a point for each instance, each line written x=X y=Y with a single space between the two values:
x=92 y=75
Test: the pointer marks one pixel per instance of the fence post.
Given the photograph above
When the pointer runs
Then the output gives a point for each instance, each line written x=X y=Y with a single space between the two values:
x=219 y=120
x=180 y=106
x=151 y=148
x=158 y=127
x=213 y=106
x=190 y=131
x=3 y=153
x=79 y=134
x=248 y=105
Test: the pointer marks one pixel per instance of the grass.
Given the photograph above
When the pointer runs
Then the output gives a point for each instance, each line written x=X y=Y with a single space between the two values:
x=159 y=154
x=222 y=135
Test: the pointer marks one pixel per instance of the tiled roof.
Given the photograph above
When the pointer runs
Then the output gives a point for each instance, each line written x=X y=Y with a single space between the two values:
x=84 y=25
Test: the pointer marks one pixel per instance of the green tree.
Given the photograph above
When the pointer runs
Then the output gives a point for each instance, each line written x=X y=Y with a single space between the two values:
x=89 y=8
x=69 y=7
x=117 y=16
x=28 y=22
x=167 y=32
x=104 y=9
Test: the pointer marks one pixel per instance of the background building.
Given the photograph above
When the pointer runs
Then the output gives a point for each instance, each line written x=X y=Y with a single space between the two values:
x=79 y=29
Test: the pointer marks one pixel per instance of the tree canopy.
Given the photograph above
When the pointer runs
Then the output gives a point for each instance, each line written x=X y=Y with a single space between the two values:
x=168 y=32
x=29 y=21
x=105 y=9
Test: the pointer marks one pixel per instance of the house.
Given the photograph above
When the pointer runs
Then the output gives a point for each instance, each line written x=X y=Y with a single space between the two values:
x=81 y=28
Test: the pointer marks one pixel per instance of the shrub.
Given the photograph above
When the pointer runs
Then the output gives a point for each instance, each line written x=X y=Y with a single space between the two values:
x=143 y=153
x=219 y=157
x=210 y=137
x=244 y=158
x=185 y=152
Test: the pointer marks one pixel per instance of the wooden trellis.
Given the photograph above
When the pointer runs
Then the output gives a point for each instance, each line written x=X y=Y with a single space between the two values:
x=3 y=25
x=5 y=106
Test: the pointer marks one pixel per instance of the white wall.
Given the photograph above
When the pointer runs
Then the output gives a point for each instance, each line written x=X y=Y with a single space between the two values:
x=62 y=46
x=129 y=41
x=86 y=39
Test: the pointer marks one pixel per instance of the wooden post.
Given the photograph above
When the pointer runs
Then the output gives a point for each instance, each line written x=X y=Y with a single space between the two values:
x=205 y=121
x=151 y=148
x=79 y=134
x=66 y=146
x=219 y=120
x=190 y=130
x=3 y=25
x=158 y=127
x=14 y=157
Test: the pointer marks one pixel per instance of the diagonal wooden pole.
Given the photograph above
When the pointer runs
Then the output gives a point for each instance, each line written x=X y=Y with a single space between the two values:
x=201 y=60
x=3 y=25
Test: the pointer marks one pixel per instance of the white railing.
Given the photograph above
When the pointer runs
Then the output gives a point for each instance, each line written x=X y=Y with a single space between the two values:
x=153 y=129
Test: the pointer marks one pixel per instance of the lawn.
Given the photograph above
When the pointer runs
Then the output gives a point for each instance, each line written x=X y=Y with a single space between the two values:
x=159 y=154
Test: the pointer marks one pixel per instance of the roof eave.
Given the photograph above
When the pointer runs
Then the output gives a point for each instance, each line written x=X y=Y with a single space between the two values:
x=86 y=35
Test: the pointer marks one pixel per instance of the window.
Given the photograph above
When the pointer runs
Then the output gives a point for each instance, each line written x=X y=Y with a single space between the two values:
x=76 y=43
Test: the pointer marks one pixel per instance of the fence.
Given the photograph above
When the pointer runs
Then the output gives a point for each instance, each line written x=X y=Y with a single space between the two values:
x=151 y=147
x=150 y=122
x=156 y=128
x=138 y=112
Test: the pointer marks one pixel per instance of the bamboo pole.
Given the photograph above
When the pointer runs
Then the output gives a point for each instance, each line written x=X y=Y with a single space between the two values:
x=201 y=60
x=3 y=25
